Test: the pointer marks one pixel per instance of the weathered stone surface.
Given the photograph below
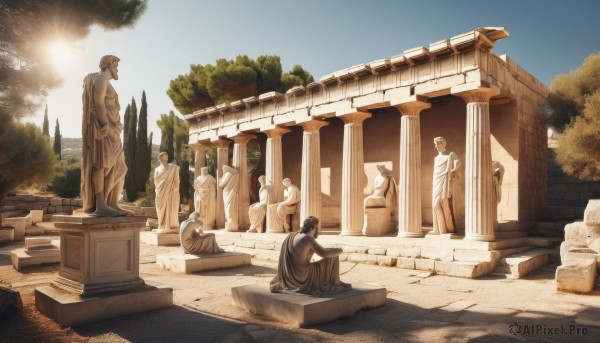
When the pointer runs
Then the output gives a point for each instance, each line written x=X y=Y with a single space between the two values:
x=66 y=202
x=576 y=233
x=463 y=269
x=404 y=252
x=159 y=239
x=186 y=263
x=37 y=216
x=577 y=276
x=24 y=257
x=476 y=255
x=388 y=261
x=7 y=234
x=56 y=202
x=264 y=245
x=246 y=243
x=523 y=263
x=304 y=310
x=34 y=231
x=437 y=254
x=354 y=249
x=362 y=258
x=425 y=264
x=591 y=215
x=377 y=251
x=263 y=254
x=19 y=224
x=405 y=262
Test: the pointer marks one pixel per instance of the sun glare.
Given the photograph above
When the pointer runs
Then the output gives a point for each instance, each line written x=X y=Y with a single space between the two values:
x=61 y=54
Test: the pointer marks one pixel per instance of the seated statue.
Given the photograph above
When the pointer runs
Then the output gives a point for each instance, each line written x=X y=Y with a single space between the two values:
x=258 y=210
x=194 y=241
x=296 y=272
x=278 y=212
x=382 y=190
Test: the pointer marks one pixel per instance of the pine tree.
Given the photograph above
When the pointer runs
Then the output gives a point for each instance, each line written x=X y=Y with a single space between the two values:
x=141 y=154
x=46 y=125
x=57 y=136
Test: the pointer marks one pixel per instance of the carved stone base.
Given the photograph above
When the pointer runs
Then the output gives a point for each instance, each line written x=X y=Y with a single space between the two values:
x=443 y=236
x=22 y=258
x=69 y=309
x=378 y=221
x=159 y=239
x=186 y=263
x=304 y=310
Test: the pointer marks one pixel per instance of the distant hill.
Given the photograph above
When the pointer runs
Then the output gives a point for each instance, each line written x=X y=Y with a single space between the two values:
x=71 y=148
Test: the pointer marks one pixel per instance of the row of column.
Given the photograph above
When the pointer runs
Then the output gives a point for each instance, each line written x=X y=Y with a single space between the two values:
x=478 y=175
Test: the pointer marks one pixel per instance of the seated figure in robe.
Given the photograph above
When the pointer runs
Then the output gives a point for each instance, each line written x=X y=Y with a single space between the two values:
x=296 y=271
x=279 y=212
x=258 y=210
x=383 y=189
x=194 y=241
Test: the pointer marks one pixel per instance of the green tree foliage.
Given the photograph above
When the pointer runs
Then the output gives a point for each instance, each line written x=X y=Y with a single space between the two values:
x=66 y=182
x=46 y=125
x=126 y=119
x=574 y=107
x=231 y=80
x=57 y=137
x=26 y=157
x=184 y=177
x=130 y=184
x=142 y=157
x=27 y=27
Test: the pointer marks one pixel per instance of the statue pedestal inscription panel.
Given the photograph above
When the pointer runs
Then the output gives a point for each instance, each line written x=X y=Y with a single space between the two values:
x=100 y=259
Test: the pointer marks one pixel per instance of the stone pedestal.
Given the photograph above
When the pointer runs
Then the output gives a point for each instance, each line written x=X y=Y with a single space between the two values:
x=160 y=238
x=304 y=310
x=378 y=221
x=37 y=251
x=187 y=263
x=98 y=276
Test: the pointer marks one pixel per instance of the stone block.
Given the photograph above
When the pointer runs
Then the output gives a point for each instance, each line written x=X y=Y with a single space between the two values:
x=60 y=209
x=303 y=310
x=19 y=224
x=377 y=221
x=37 y=216
x=424 y=264
x=51 y=209
x=388 y=261
x=463 y=269
x=186 y=263
x=362 y=258
x=34 y=231
x=577 y=276
x=71 y=310
x=56 y=202
x=265 y=245
x=377 y=251
x=23 y=257
x=150 y=212
x=343 y=257
x=476 y=255
x=591 y=215
x=404 y=252
x=7 y=234
x=405 y=262
x=440 y=254
x=66 y=202
x=523 y=263
x=245 y=244
x=576 y=233
x=159 y=239
x=355 y=249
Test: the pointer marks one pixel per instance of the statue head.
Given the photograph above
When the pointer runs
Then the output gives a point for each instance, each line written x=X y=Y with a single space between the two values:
x=111 y=63
x=163 y=157
x=310 y=224
x=440 y=143
x=287 y=182
x=194 y=216
x=262 y=179
x=204 y=170
x=382 y=169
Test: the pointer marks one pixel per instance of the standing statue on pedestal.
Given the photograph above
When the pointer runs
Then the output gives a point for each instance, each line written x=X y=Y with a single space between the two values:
x=296 y=272
x=194 y=241
x=103 y=165
x=444 y=189
x=498 y=170
x=205 y=198
x=258 y=210
x=166 y=182
x=229 y=183
x=278 y=212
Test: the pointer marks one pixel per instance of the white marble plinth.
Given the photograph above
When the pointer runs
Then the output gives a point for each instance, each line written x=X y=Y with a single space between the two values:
x=69 y=309
x=187 y=263
x=160 y=238
x=378 y=221
x=305 y=310
x=37 y=251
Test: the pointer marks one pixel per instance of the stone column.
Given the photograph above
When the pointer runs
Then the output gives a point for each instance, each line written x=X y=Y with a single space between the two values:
x=409 y=184
x=240 y=162
x=353 y=171
x=479 y=221
x=222 y=159
x=274 y=166
x=310 y=190
x=199 y=157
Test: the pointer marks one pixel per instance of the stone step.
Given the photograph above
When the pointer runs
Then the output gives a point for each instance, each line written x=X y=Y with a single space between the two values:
x=34 y=231
x=7 y=208
x=522 y=263
x=13 y=213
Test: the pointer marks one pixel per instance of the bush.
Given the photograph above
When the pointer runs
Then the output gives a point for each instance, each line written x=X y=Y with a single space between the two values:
x=67 y=180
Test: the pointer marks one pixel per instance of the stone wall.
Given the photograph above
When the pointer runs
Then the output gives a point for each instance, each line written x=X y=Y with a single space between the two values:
x=48 y=203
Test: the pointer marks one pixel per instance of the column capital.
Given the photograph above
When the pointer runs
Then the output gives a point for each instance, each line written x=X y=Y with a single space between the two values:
x=313 y=125
x=275 y=131
x=198 y=147
x=242 y=137
x=411 y=106
x=220 y=143
x=475 y=92
x=355 y=117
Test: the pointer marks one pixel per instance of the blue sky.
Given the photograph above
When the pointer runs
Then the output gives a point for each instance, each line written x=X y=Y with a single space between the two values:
x=546 y=38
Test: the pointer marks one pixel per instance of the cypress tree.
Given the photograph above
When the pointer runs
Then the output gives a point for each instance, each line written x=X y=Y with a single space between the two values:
x=46 y=125
x=130 y=184
x=149 y=161
x=184 y=177
x=126 y=120
x=141 y=153
x=171 y=137
x=57 y=146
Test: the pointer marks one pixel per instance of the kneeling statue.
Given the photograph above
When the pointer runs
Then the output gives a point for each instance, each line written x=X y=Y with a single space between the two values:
x=296 y=272
x=194 y=241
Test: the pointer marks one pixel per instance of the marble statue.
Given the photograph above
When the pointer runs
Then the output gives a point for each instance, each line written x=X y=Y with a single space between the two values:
x=445 y=181
x=296 y=272
x=382 y=186
x=205 y=196
x=498 y=170
x=229 y=183
x=258 y=210
x=166 y=182
x=103 y=165
x=193 y=240
x=278 y=212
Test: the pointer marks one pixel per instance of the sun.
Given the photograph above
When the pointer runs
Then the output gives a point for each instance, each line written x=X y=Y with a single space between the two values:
x=61 y=53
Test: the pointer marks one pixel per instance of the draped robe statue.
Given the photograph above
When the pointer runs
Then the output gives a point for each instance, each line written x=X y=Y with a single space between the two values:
x=296 y=272
x=205 y=197
x=383 y=185
x=229 y=184
x=278 y=212
x=166 y=182
x=258 y=210
x=444 y=188
x=193 y=240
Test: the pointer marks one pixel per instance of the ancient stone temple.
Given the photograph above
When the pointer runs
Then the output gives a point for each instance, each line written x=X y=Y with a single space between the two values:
x=330 y=136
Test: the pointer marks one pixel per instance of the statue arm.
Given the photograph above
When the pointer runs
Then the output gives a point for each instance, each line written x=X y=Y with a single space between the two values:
x=324 y=252
x=100 y=87
x=456 y=165
x=292 y=196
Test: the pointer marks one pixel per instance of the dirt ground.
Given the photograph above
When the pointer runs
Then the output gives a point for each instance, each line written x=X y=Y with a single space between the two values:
x=436 y=308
